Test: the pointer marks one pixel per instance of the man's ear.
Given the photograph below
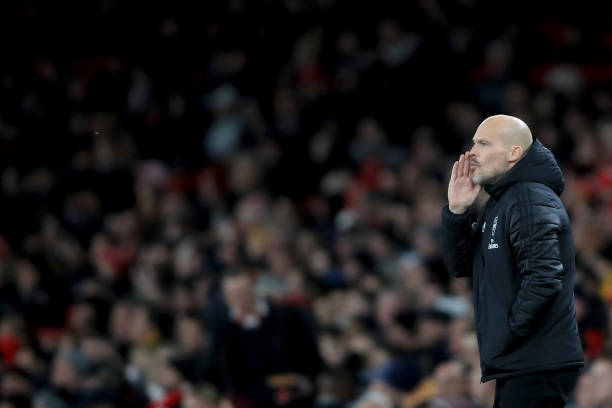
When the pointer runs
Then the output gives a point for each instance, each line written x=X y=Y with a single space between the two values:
x=515 y=154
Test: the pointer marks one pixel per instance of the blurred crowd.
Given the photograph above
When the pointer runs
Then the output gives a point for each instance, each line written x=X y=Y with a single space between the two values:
x=237 y=203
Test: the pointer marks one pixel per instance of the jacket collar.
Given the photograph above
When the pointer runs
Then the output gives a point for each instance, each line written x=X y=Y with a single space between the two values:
x=538 y=165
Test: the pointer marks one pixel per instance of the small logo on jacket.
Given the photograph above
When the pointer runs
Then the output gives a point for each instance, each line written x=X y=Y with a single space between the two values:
x=493 y=244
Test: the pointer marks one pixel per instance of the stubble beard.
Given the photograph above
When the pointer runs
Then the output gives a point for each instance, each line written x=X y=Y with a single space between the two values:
x=477 y=178
x=483 y=180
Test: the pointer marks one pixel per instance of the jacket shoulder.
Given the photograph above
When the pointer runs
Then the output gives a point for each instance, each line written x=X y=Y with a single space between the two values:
x=534 y=203
x=532 y=193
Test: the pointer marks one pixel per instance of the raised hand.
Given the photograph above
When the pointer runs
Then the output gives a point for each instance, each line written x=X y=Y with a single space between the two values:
x=462 y=191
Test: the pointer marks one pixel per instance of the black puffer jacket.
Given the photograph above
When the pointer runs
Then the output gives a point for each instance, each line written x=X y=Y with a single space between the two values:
x=520 y=252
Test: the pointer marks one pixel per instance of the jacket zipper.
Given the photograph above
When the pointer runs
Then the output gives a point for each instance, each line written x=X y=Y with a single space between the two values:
x=477 y=297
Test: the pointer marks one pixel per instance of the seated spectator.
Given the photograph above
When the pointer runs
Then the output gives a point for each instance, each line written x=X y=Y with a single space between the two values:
x=266 y=355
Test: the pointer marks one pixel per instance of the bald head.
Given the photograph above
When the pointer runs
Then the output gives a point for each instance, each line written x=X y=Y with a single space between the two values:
x=499 y=143
x=511 y=130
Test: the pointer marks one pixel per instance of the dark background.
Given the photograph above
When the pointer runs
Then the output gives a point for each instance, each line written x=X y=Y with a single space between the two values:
x=149 y=148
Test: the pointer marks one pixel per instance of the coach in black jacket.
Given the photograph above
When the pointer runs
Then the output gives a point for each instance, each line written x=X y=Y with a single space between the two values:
x=520 y=252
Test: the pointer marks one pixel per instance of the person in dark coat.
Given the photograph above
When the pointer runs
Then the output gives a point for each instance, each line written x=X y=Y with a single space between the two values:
x=266 y=354
x=520 y=253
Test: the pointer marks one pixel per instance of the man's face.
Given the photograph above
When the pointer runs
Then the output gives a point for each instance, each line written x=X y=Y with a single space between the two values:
x=488 y=157
x=239 y=293
x=601 y=372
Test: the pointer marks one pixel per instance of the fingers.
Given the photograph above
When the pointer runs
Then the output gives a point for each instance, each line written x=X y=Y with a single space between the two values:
x=460 y=166
x=466 y=164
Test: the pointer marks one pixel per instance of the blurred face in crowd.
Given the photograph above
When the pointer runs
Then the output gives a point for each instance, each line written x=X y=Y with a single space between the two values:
x=203 y=399
x=14 y=384
x=63 y=374
x=594 y=387
x=450 y=379
x=189 y=334
x=239 y=293
x=499 y=144
x=192 y=401
x=119 y=325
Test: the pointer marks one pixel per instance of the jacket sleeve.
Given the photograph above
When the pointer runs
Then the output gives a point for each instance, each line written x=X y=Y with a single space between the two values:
x=534 y=226
x=457 y=243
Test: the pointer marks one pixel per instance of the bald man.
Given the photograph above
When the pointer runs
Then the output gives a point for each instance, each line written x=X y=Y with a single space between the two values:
x=520 y=253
